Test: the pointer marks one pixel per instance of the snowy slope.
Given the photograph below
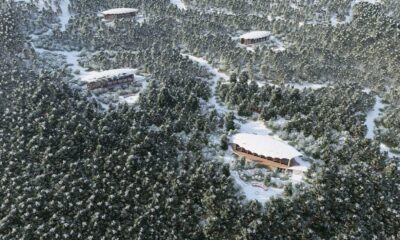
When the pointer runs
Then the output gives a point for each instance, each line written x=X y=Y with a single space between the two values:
x=65 y=14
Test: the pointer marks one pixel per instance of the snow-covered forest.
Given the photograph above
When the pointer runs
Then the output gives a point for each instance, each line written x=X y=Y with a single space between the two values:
x=123 y=125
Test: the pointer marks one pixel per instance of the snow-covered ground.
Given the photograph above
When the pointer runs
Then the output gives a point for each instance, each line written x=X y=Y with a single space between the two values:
x=133 y=98
x=255 y=127
x=391 y=154
x=140 y=18
x=71 y=59
x=179 y=3
x=254 y=192
x=348 y=18
x=65 y=14
x=216 y=76
x=223 y=11
x=302 y=86
x=279 y=46
x=372 y=116
x=294 y=6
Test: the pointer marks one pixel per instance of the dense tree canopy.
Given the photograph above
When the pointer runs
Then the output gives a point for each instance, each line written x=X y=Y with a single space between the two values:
x=75 y=167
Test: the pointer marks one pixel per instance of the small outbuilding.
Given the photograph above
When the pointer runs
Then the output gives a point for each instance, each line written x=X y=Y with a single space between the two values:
x=119 y=13
x=109 y=79
x=264 y=150
x=254 y=37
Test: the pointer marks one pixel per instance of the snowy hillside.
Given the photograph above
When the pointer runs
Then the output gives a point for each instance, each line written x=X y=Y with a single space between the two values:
x=205 y=119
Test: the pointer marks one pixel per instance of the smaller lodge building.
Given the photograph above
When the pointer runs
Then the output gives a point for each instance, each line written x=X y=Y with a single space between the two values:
x=266 y=151
x=119 y=13
x=109 y=79
x=254 y=37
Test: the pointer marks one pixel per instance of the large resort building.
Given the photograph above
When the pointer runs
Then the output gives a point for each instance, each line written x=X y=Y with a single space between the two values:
x=109 y=79
x=119 y=13
x=266 y=151
x=254 y=37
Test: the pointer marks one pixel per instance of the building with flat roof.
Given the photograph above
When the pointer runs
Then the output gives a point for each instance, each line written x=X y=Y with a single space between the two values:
x=254 y=37
x=109 y=79
x=119 y=13
x=265 y=150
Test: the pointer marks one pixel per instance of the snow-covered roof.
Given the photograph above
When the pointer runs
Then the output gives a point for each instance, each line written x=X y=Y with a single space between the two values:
x=265 y=145
x=256 y=34
x=93 y=76
x=120 y=11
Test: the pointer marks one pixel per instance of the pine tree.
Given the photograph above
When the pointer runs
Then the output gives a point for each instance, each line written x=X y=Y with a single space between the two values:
x=229 y=121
